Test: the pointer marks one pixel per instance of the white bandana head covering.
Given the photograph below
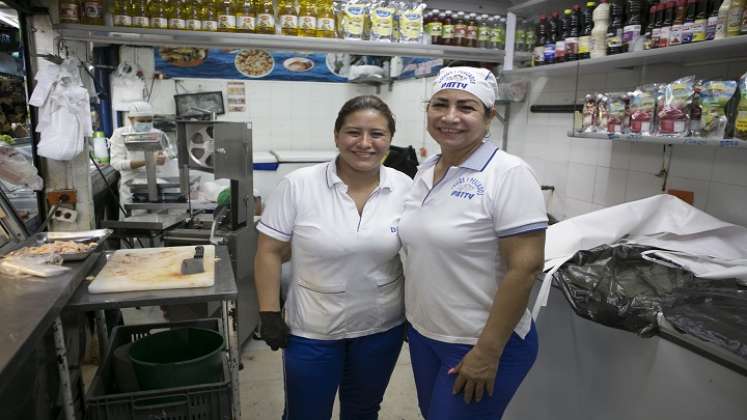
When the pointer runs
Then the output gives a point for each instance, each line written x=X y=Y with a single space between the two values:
x=140 y=109
x=477 y=81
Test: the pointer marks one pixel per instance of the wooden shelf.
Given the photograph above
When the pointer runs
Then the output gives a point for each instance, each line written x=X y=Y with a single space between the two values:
x=177 y=38
x=689 y=141
x=720 y=50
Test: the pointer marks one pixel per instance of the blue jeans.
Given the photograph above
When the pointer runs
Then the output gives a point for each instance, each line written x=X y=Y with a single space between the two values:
x=431 y=360
x=360 y=367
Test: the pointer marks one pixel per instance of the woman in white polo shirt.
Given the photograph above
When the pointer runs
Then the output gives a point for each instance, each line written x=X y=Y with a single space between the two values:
x=473 y=235
x=343 y=318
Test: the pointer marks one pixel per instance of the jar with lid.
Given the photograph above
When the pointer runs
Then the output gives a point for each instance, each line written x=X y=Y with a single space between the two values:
x=70 y=11
x=471 y=35
x=460 y=30
x=447 y=21
x=483 y=31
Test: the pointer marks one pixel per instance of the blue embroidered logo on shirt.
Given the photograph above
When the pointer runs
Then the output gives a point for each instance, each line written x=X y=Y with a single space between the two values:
x=393 y=229
x=467 y=188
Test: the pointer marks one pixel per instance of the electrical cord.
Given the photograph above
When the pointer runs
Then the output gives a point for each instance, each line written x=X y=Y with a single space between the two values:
x=111 y=191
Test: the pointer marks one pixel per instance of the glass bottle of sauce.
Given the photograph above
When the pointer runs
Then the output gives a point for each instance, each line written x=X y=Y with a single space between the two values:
x=666 y=27
x=460 y=30
x=121 y=13
x=701 y=20
x=688 y=31
x=471 y=35
x=288 y=17
x=447 y=36
x=712 y=22
x=584 y=41
x=246 y=17
x=571 y=41
x=265 y=17
x=436 y=29
x=483 y=32
x=325 y=20
x=678 y=25
x=562 y=35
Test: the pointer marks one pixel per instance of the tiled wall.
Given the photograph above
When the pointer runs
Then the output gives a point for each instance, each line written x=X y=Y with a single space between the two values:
x=591 y=174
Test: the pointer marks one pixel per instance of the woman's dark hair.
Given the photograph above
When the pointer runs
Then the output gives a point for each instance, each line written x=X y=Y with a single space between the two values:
x=363 y=103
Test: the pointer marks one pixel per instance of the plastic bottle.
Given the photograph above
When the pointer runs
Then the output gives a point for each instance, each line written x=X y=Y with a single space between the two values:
x=460 y=30
x=689 y=27
x=539 y=48
x=562 y=35
x=650 y=28
x=288 y=17
x=615 y=29
x=658 y=22
x=307 y=18
x=666 y=27
x=734 y=18
x=93 y=12
x=471 y=35
x=209 y=16
x=157 y=14
x=70 y=11
x=601 y=17
x=140 y=14
x=584 y=41
x=574 y=28
x=121 y=13
x=175 y=14
x=227 y=16
x=265 y=17
x=246 y=17
x=194 y=16
x=701 y=19
x=632 y=28
x=447 y=35
x=325 y=20
x=100 y=148
x=712 y=22
x=723 y=14
x=483 y=31
x=549 y=52
x=678 y=25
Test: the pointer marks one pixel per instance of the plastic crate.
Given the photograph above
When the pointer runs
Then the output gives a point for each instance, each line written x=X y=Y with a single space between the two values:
x=197 y=402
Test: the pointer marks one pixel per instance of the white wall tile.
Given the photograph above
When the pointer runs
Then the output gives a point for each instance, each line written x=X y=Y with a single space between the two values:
x=580 y=183
x=698 y=187
x=612 y=154
x=727 y=202
x=642 y=185
x=575 y=207
x=730 y=167
x=609 y=186
x=584 y=151
x=646 y=157
x=693 y=162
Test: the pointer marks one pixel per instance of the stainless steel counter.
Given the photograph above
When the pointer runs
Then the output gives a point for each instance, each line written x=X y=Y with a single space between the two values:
x=28 y=306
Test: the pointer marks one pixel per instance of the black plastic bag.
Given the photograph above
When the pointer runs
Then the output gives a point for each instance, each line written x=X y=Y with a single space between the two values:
x=403 y=159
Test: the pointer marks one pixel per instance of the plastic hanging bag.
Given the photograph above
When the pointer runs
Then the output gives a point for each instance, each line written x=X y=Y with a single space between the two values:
x=127 y=87
x=355 y=19
x=714 y=95
x=602 y=113
x=617 y=112
x=673 y=107
x=382 y=21
x=740 y=124
x=411 y=22
x=643 y=110
x=17 y=169
x=589 y=114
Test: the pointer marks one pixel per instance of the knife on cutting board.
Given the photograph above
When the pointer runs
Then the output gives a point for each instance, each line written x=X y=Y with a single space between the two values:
x=195 y=264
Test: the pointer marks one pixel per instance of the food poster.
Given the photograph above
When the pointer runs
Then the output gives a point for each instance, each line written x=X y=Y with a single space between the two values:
x=236 y=96
x=254 y=63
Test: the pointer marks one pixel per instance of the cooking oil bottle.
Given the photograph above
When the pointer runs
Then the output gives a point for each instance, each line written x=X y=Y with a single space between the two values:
x=288 y=16
x=227 y=16
x=265 y=17
x=307 y=18
x=93 y=12
x=140 y=14
x=177 y=11
x=325 y=19
x=121 y=13
x=209 y=15
x=158 y=18
x=246 y=16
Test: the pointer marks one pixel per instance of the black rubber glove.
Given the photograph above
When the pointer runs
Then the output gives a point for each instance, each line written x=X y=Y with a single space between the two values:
x=273 y=330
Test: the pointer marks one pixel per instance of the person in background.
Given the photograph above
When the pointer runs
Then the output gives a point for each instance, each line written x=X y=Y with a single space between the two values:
x=473 y=235
x=342 y=324
x=130 y=164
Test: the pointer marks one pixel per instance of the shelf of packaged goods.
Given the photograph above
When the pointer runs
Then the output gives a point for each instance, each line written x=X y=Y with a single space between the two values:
x=177 y=38
x=690 y=141
x=716 y=51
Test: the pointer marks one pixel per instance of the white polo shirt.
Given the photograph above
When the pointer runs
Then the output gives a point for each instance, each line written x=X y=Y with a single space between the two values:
x=450 y=234
x=347 y=273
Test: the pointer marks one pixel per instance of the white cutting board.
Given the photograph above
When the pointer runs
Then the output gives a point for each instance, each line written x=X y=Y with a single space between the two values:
x=130 y=270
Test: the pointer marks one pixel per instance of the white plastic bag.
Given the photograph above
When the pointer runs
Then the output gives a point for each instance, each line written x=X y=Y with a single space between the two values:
x=127 y=87
x=17 y=169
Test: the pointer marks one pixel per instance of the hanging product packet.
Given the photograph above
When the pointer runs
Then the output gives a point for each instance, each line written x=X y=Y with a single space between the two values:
x=714 y=95
x=354 y=17
x=673 y=107
x=382 y=14
x=602 y=113
x=411 y=22
x=589 y=114
x=617 y=112
x=643 y=110
x=740 y=124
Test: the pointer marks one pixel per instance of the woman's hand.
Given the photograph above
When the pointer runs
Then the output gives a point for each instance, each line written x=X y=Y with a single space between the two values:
x=273 y=330
x=476 y=374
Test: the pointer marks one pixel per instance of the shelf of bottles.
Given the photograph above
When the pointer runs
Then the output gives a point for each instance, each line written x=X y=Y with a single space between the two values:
x=308 y=25
x=623 y=34
x=636 y=138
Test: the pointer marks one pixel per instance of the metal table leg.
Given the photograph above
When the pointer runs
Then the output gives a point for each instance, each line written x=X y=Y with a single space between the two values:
x=102 y=333
x=232 y=341
x=62 y=367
